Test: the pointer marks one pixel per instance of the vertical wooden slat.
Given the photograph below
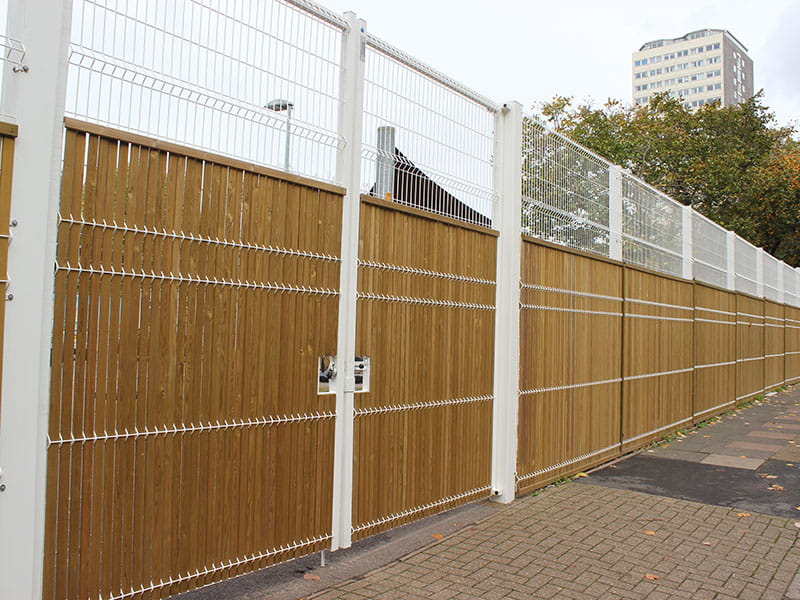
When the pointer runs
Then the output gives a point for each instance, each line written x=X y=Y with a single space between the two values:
x=6 y=178
x=57 y=520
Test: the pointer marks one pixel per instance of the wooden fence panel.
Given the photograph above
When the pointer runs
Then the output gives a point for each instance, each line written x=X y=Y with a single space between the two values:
x=792 y=344
x=658 y=360
x=193 y=296
x=749 y=347
x=423 y=432
x=570 y=349
x=714 y=351
x=8 y=134
x=774 y=345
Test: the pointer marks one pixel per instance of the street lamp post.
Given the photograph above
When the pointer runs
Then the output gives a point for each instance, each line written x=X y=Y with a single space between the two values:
x=281 y=105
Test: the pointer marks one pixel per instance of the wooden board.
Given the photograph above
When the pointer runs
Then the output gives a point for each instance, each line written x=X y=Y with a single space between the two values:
x=774 y=345
x=570 y=369
x=6 y=176
x=792 y=343
x=714 y=351
x=749 y=347
x=658 y=361
x=188 y=441
x=426 y=321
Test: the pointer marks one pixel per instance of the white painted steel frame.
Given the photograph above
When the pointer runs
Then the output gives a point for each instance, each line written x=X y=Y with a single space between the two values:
x=615 y=212
x=508 y=184
x=349 y=175
x=37 y=98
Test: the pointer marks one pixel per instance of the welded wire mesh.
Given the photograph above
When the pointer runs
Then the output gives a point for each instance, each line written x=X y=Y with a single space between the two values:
x=425 y=144
x=745 y=257
x=652 y=227
x=12 y=56
x=709 y=251
x=565 y=191
x=790 y=285
x=203 y=73
x=772 y=285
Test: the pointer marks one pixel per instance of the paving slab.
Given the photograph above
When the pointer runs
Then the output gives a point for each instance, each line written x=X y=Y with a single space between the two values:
x=736 y=462
x=756 y=446
x=771 y=435
x=784 y=425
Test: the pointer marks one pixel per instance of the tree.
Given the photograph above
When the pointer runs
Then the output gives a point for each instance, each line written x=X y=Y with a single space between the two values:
x=731 y=164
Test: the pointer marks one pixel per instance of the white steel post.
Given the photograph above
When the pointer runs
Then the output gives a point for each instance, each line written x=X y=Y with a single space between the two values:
x=730 y=262
x=760 y=272
x=36 y=97
x=508 y=184
x=348 y=175
x=615 y=212
x=686 y=238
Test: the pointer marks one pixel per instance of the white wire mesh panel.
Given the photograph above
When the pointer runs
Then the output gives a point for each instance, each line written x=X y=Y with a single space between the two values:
x=745 y=259
x=652 y=227
x=203 y=73
x=709 y=251
x=12 y=52
x=564 y=191
x=772 y=287
x=425 y=144
x=789 y=285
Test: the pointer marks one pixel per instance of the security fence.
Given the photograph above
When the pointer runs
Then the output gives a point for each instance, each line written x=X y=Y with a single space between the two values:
x=296 y=287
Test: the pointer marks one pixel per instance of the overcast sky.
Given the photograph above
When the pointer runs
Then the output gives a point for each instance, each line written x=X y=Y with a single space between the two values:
x=529 y=51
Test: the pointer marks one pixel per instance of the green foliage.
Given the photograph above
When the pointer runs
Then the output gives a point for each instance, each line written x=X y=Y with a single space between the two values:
x=732 y=164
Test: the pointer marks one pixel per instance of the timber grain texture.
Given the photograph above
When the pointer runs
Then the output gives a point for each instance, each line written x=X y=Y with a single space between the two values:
x=177 y=367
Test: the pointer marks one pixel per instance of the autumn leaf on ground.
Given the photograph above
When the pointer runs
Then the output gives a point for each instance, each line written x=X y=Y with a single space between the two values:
x=648 y=532
x=437 y=536
x=776 y=488
x=311 y=577
x=748 y=514
x=651 y=577
x=706 y=543
x=581 y=475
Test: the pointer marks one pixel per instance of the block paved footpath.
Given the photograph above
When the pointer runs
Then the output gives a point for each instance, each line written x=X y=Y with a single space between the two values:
x=586 y=541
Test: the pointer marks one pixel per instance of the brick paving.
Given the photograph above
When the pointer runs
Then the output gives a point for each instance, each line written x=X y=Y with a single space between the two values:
x=586 y=541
